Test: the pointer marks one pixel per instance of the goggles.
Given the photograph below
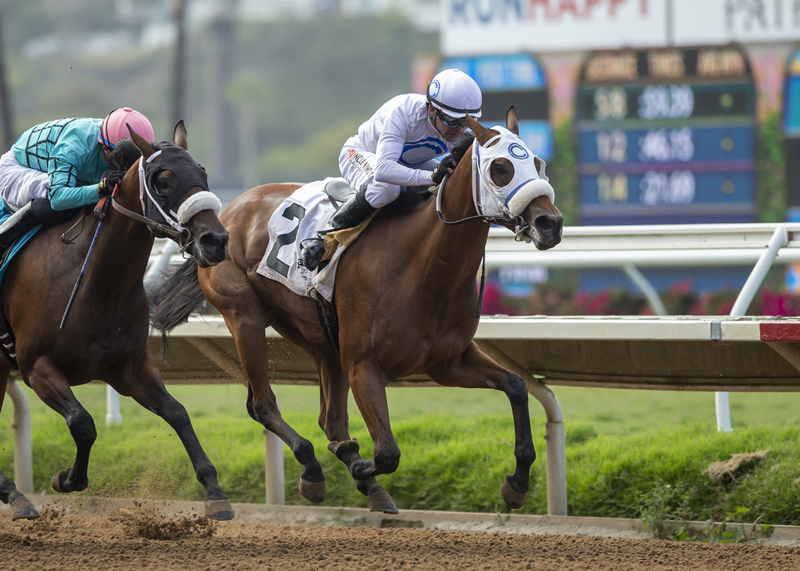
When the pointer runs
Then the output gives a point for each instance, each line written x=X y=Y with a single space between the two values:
x=451 y=122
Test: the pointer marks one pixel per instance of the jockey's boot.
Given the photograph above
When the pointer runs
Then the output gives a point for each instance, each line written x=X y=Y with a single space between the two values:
x=37 y=211
x=350 y=214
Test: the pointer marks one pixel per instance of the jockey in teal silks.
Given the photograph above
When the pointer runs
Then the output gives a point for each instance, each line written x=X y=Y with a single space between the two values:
x=60 y=165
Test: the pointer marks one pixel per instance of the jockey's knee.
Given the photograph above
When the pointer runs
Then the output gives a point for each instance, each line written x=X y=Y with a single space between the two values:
x=41 y=208
x=381 y=193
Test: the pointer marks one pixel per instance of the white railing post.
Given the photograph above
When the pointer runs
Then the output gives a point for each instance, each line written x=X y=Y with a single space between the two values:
x=780 y=238
x=23 y=446
x=273 y=463
x=113 y=414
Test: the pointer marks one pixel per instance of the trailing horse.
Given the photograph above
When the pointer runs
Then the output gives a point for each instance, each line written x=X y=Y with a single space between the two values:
x=406 y=300
x=105 y=337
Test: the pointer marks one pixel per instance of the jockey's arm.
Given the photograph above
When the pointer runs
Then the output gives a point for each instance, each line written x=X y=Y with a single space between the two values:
x=387 y=155
x=64 y=192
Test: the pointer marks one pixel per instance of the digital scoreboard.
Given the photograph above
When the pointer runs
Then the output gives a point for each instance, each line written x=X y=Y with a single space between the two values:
x=791 y=128
x=666 y=137
x=513 y=79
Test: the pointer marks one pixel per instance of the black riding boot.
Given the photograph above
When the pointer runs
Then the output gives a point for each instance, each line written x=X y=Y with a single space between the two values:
x=351 y=214
x=37 y=211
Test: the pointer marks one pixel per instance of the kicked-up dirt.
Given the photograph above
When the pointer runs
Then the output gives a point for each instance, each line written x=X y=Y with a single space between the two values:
x=137 y=537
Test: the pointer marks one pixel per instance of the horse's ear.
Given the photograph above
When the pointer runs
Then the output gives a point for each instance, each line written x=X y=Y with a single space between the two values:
x=143 y=145
x=481 y=133
x=179 y=135
x=512 y=121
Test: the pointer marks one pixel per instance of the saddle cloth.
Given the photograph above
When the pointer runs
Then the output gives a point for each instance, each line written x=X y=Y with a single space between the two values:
x=298 y=218
x=7 y=339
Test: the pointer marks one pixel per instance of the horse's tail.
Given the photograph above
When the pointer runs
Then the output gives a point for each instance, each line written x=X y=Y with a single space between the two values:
x=174 y=297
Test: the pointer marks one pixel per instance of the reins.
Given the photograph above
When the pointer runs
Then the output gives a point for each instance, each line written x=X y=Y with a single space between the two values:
x=488 y=219
x=152 y=224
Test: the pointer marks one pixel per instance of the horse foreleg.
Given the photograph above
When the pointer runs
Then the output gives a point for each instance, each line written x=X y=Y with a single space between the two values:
x=147 y=388
x=474 y=369
x=334 y=387
x=262 y=405
x=53 y=388
x=368 y=383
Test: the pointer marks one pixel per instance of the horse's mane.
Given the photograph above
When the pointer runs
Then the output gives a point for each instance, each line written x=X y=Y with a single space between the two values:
x=124 y=155
x=416 y=195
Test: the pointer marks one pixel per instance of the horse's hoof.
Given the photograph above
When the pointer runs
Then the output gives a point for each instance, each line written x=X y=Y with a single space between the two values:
x=219 y=509
x=381 y=501
x=23 y=509
x=312 y=491
x=59 y=482
x=363 y=469
x=511 y=497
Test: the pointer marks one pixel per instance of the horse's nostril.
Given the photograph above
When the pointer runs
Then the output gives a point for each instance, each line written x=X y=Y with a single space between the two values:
x=544 y=223
x=210 y=242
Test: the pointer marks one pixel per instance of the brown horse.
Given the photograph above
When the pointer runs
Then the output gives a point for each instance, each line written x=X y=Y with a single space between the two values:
x=406 y=300
x=105 y=337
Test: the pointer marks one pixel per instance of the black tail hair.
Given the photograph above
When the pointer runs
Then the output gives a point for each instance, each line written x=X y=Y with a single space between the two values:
x=173 y=298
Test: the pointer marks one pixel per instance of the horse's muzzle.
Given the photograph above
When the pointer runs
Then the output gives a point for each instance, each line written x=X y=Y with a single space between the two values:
x=210 y=248
x=546 y=230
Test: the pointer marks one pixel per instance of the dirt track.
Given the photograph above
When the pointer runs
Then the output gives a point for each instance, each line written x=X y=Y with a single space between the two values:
x=133 y=537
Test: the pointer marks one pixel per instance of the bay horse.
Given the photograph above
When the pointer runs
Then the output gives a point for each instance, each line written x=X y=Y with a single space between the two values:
x=406 y=299
x=105 y=337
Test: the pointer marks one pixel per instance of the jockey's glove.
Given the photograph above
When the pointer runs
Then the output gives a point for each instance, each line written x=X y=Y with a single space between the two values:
x=445 y=167
x=108 y=182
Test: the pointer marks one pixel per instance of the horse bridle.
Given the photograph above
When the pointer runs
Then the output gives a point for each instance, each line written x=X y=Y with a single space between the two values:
x=204 y=200
x=519 y=221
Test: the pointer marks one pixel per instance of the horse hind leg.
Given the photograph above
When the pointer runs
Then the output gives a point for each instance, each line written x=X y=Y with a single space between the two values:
x=262 y=404
x=53 y=388
x=334 y=387
x=247 y=316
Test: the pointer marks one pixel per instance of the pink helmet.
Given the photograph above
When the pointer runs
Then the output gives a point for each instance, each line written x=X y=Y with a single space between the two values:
x=113 y=127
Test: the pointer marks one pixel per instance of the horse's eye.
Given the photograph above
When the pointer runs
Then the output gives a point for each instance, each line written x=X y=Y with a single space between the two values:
x=162 y=184
x=498 y=168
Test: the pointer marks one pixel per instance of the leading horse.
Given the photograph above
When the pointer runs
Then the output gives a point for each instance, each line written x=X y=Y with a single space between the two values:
x=105 y=337
x=406 y=300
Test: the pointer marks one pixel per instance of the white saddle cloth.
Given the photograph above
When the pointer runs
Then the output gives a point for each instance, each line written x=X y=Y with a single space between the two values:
x=296 y=219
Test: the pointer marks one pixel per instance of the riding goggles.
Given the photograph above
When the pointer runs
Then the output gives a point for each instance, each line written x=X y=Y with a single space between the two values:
x=452 y=122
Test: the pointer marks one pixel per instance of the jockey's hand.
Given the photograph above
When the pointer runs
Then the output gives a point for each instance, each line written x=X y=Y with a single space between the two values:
x=445 y=167
x=107 y=184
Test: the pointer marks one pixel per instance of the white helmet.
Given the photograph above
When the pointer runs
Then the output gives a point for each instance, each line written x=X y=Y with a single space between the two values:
x=455 y=93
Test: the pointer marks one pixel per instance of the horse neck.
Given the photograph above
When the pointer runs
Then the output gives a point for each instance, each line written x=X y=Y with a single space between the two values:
x=123 y=245
x=457 y=249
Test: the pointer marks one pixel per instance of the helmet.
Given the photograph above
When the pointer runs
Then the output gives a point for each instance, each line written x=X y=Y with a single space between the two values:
x=455 y=93
x=113 y=127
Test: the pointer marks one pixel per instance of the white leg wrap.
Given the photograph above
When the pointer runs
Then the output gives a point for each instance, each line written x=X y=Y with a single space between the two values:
x=196 y=203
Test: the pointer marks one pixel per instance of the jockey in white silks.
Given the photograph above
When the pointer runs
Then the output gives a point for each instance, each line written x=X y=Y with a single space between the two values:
x=60 y=165
x=396 y=147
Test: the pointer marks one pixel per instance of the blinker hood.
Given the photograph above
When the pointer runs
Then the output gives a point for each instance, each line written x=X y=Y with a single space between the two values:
x=187 y=173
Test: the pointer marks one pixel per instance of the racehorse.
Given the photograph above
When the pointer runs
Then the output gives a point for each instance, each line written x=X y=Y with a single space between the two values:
x=105 y=337
x=406 y=299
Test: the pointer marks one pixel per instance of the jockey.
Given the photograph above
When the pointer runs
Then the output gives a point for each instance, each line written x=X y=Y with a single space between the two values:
x=396 y=147
x=60 y=165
